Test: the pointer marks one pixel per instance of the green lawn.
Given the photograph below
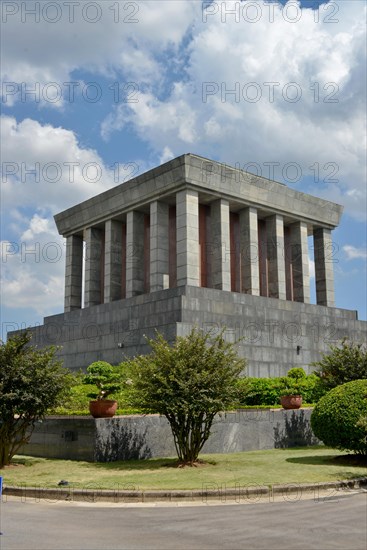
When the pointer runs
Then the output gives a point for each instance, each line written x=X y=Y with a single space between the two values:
x=301 y=465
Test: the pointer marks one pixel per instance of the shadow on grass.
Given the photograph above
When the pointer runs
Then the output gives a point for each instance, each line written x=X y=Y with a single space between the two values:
x=331 y=460
x=27 y=461
x=147 y=464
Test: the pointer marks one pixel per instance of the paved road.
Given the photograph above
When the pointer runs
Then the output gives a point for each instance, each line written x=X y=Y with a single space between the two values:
x=302 y=525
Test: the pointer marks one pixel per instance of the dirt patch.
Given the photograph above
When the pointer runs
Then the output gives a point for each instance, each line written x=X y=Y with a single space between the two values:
x=196 y=464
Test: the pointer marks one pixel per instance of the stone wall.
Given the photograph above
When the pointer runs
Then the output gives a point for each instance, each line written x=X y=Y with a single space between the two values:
x=139 y=437
x=276 y=334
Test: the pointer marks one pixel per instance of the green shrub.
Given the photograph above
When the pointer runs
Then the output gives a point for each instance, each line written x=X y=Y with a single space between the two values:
x=297 y=373
x=81 y=393
x=267 y=391
x=344 y=363
x=258 y=391
x=309 y=387
x=77 y=401
x=314 y=390
x=335 y=419
x=362 y=423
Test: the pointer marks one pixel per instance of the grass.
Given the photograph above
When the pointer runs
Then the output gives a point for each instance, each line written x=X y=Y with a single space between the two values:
x=300 y=465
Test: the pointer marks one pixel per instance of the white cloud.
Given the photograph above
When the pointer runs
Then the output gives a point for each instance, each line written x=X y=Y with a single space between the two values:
x=324 y=63
x=125 y=36
x=37 y=226
x=44 y=161
x=44 y=165
x=32 y=273
x=171 y=52
x=166 y=155
x=32 y=267
x=354 y=253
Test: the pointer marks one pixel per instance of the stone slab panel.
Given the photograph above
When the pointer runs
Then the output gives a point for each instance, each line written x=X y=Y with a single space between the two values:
x=141 y=437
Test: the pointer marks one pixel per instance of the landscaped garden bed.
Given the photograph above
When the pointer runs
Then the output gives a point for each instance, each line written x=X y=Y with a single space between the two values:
x=298 y=465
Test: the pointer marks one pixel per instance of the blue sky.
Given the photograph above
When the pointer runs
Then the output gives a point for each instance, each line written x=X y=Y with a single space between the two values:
x=96 y=93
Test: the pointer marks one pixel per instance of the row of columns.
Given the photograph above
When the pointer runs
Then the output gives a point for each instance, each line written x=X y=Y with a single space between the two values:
x=116 y=257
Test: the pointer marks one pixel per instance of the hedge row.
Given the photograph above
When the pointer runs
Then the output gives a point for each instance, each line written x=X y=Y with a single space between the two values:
x=267 y=391
x=79 y=397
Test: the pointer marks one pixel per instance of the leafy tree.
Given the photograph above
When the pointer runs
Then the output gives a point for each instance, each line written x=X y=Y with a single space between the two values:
x=31 y=381
x=188 y=382
x=344 y=363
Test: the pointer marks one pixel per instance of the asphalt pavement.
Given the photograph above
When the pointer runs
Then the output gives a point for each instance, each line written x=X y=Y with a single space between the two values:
x=329 y=522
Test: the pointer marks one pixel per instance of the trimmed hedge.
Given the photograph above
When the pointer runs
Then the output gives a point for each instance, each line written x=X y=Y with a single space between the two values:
x=258 y=391
x=267 y=391
x=336 y=419
x=251 y=392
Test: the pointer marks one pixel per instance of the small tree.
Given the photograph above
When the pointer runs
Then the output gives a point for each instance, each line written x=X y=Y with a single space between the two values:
x=344 y=363
x=31 y=382
x=188 y=382
x=105 y=377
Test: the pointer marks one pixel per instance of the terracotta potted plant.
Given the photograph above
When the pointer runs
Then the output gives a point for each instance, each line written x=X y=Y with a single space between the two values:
x=292 y=388
x=291 y=400
x=102 y=375
x=291 y=394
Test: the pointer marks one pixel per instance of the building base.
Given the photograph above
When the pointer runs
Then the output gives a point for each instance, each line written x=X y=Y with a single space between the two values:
x=275 y=335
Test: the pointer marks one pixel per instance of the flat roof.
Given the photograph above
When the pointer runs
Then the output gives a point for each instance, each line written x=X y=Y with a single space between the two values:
x=212 y=180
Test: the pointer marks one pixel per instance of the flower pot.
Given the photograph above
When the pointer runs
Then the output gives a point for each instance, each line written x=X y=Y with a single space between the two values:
x=291 y=401
x=103 y=408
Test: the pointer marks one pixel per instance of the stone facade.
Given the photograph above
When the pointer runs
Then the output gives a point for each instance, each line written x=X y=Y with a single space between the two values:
x=276 y=334
x=139 y=437
x=195 y=242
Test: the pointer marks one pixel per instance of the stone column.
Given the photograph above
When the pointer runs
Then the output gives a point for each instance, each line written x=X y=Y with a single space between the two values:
x=300 y=262
x=187 y=231
x=113 y=261
x=159 y=246
x=250 y=273
x=276 y=260
x=93 y=277
x=134 y=253
x=324 y=269
x=73 y=273
x=220 y=245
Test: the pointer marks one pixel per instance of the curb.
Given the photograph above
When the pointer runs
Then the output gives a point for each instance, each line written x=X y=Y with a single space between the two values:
x=236 y=494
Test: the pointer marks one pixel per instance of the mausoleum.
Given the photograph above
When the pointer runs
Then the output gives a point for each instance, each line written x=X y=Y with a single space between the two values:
x=196 y=242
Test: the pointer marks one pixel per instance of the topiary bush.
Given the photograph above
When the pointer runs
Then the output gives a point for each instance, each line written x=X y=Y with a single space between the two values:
x=104 y=377
x=335 y=418
x=297 y=373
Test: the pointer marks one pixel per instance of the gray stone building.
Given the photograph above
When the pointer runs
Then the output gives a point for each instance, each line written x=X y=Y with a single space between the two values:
x=195 y=242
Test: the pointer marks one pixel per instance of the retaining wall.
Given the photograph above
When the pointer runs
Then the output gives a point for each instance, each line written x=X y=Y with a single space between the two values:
x=139 y=437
